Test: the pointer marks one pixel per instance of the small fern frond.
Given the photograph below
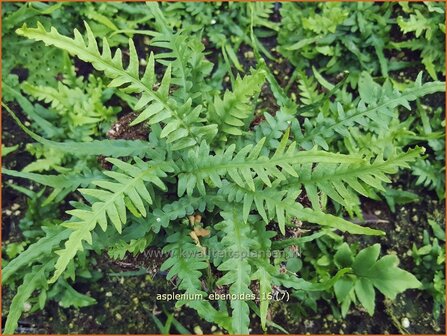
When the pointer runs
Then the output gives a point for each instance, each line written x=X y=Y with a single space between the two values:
x=233 y=112
x=237 y=244
x=134 y=246
x=126 y=189
x=308 y=90
x=184 y=206
x=429 y=175
x=187 y=261
x=110 y=148
x=185 y=54
x=33 y=280
x=273 y=129
x=187 y=269
x=264 y=269
x=61 y=183
x=34 y=252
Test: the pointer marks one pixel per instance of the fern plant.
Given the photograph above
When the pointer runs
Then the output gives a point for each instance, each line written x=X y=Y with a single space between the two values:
x=329 y=32
x=426 y=22
x=202 y=160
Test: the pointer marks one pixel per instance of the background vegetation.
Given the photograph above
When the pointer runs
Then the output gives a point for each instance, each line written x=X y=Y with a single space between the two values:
x=335 y=81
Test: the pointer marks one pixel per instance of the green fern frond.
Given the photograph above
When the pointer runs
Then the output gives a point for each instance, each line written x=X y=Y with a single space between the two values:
x=308 y=90
x=273 y=129
x=376 y=105
x=184 y=206
x=281 y=205
x=34 y=252
x=68 y=182
x=111 y=148
x=233 y=112
x=185 y=55
x=187 y=261
x=430 y=175
x=156 y=105
x=33 y=280
x=237 y=244
x=264 y=269
x=77 y=105
x=135 y=246
x=343 y=182
x=126 y=189
x=242 y=167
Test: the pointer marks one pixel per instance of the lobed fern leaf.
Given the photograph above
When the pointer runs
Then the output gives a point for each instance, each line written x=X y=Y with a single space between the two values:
x=111 y=148
x=185 y=54
x=126 y=189
x=233 y=112
x=184 y=206
x=32 y=281
x=342 y=182
x=135 y=246
x=187 y=261
x=34 y=252
x=68 y=181
x=264 y=269
x=199 y=165
x=237 y=244
x=376 y=105
x=428 y=176
x=308 y=90
x=279 y=205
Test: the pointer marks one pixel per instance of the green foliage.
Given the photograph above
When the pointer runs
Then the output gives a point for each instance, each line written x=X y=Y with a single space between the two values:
x=426 y=24
x=339 y=36
x=211 y=184
x=125 y=189
x=35 y=279
x=233 y=111
x=81 y=107
x=360 y=34
x=369 y=273
x=430 y=260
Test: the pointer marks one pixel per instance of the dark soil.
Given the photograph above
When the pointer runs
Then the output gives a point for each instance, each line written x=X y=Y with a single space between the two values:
x=126 y=304
x=13 y=202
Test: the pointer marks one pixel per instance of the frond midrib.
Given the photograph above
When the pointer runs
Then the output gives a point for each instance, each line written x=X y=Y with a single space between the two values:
x=267 y=162
x=420 y=91
x=122 y=73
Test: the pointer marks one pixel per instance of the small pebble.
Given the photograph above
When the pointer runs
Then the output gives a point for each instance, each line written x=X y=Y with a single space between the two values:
x=405 y=323
x=249 y=54
x=27 y=307
x=198 y=330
